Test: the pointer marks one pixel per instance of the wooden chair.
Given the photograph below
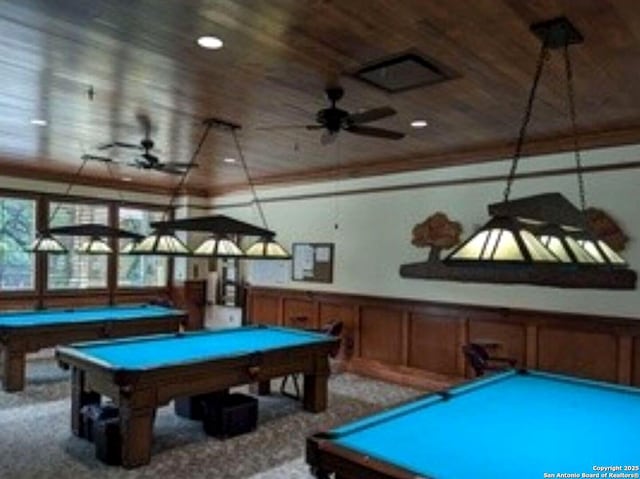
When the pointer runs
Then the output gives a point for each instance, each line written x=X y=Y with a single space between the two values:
x=481 y=361
x=334 y=329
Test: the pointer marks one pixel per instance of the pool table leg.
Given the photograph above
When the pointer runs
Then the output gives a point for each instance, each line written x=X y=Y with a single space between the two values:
x=13 y=369
x=137 y=412
x=80 y=397
x=315 y=392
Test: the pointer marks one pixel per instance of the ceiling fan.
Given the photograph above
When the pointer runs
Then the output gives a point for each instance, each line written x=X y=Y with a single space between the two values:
x=334 y=119
x=145 y=160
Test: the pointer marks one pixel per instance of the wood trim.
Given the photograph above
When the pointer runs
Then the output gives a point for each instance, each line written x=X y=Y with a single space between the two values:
x=482 y=154
x=20 y=170
x=516 y=333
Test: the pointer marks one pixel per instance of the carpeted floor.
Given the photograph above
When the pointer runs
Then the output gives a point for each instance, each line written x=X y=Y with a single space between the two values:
x=36 y=442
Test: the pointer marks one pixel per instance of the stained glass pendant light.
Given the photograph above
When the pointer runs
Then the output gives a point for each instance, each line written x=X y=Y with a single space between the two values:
x=94 y=245
x=45 y=243
x=161 y=243
x=267 y=248
x=218 y=246
x=542 y=239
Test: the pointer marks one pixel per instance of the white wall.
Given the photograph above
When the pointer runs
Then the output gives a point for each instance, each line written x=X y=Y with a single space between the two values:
x=374 y=229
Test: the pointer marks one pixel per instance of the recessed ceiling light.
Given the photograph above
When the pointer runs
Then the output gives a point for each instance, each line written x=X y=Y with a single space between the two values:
x=209 y=42
x=126 y=178
x=419 y=123
x=229 y=160
x=39 y=122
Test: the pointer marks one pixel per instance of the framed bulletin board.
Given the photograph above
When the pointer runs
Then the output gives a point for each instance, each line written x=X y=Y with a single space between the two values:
x=312 y=262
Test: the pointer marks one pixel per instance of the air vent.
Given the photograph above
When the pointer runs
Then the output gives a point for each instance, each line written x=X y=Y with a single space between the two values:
x=402 y=72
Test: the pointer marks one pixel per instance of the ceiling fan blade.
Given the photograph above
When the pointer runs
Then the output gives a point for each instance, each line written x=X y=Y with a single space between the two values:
x=328 y=137
x=314 y=127
x=280 y=127
x=177 y=164
x=375 y=132
x=119 y=144
x=148 y=157
x=171 y=171
x=104 y=159
x=371 y=115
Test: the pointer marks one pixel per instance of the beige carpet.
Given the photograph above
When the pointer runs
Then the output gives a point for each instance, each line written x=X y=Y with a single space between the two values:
x=35 y=439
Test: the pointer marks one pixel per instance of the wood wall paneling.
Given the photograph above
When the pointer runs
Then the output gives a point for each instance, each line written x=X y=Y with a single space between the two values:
x=581 y=353
x=636 y=362
x=509 y=339
x=434 y=343
x=381 y=334
x=300 y=313
x=264 y=309
x=79 y=300
x=418 y=343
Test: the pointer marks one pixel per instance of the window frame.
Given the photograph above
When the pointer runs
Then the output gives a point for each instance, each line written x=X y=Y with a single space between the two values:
x=25 y=293
x=58 y=292
x=138 y=289
x=38 y=296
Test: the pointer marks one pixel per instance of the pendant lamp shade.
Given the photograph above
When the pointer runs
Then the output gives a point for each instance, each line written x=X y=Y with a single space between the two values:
x=503 y=239
x=95 y=245
x=267 y=248
x=129 y=247
x=45 y=243
x=218 y=246
x=559 y=241
x=161 y=243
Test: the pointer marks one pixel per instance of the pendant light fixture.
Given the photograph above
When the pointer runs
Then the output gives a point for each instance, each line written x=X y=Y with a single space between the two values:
x=164 y=242
x=542 y=239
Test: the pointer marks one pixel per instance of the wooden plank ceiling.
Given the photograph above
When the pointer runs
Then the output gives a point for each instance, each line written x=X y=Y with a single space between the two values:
x=278 y=55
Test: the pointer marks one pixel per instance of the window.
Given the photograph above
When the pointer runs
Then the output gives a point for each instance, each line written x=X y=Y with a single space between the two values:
x=140 y=271
x=17 y=230
x=73 y=270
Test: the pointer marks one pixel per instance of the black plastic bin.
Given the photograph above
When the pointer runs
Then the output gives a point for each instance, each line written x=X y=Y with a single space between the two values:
x=230 y=415
x=91 y=415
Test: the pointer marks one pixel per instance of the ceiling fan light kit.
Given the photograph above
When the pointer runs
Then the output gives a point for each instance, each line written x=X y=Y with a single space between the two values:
x=543 y=239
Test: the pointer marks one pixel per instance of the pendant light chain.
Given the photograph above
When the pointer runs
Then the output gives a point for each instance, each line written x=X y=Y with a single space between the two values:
x=68 y=190
x=574 y=130
x=192 y=161
x=542 y=57
x=249 y=180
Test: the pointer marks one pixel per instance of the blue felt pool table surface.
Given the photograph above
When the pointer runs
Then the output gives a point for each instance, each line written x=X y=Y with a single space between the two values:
x=146 y=352
x=30 y=318
x=508 y=426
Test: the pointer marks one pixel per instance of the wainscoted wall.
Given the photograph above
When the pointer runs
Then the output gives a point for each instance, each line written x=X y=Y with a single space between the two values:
x=419 y=342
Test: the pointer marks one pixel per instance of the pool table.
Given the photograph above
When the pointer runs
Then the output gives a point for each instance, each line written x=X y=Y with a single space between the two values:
x=517 y=424
x=142 y=374
x=27 y=331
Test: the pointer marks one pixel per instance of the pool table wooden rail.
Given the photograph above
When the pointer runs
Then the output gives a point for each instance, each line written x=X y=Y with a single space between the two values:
x=138 y=393
x=17 y=341
x=326 y=457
